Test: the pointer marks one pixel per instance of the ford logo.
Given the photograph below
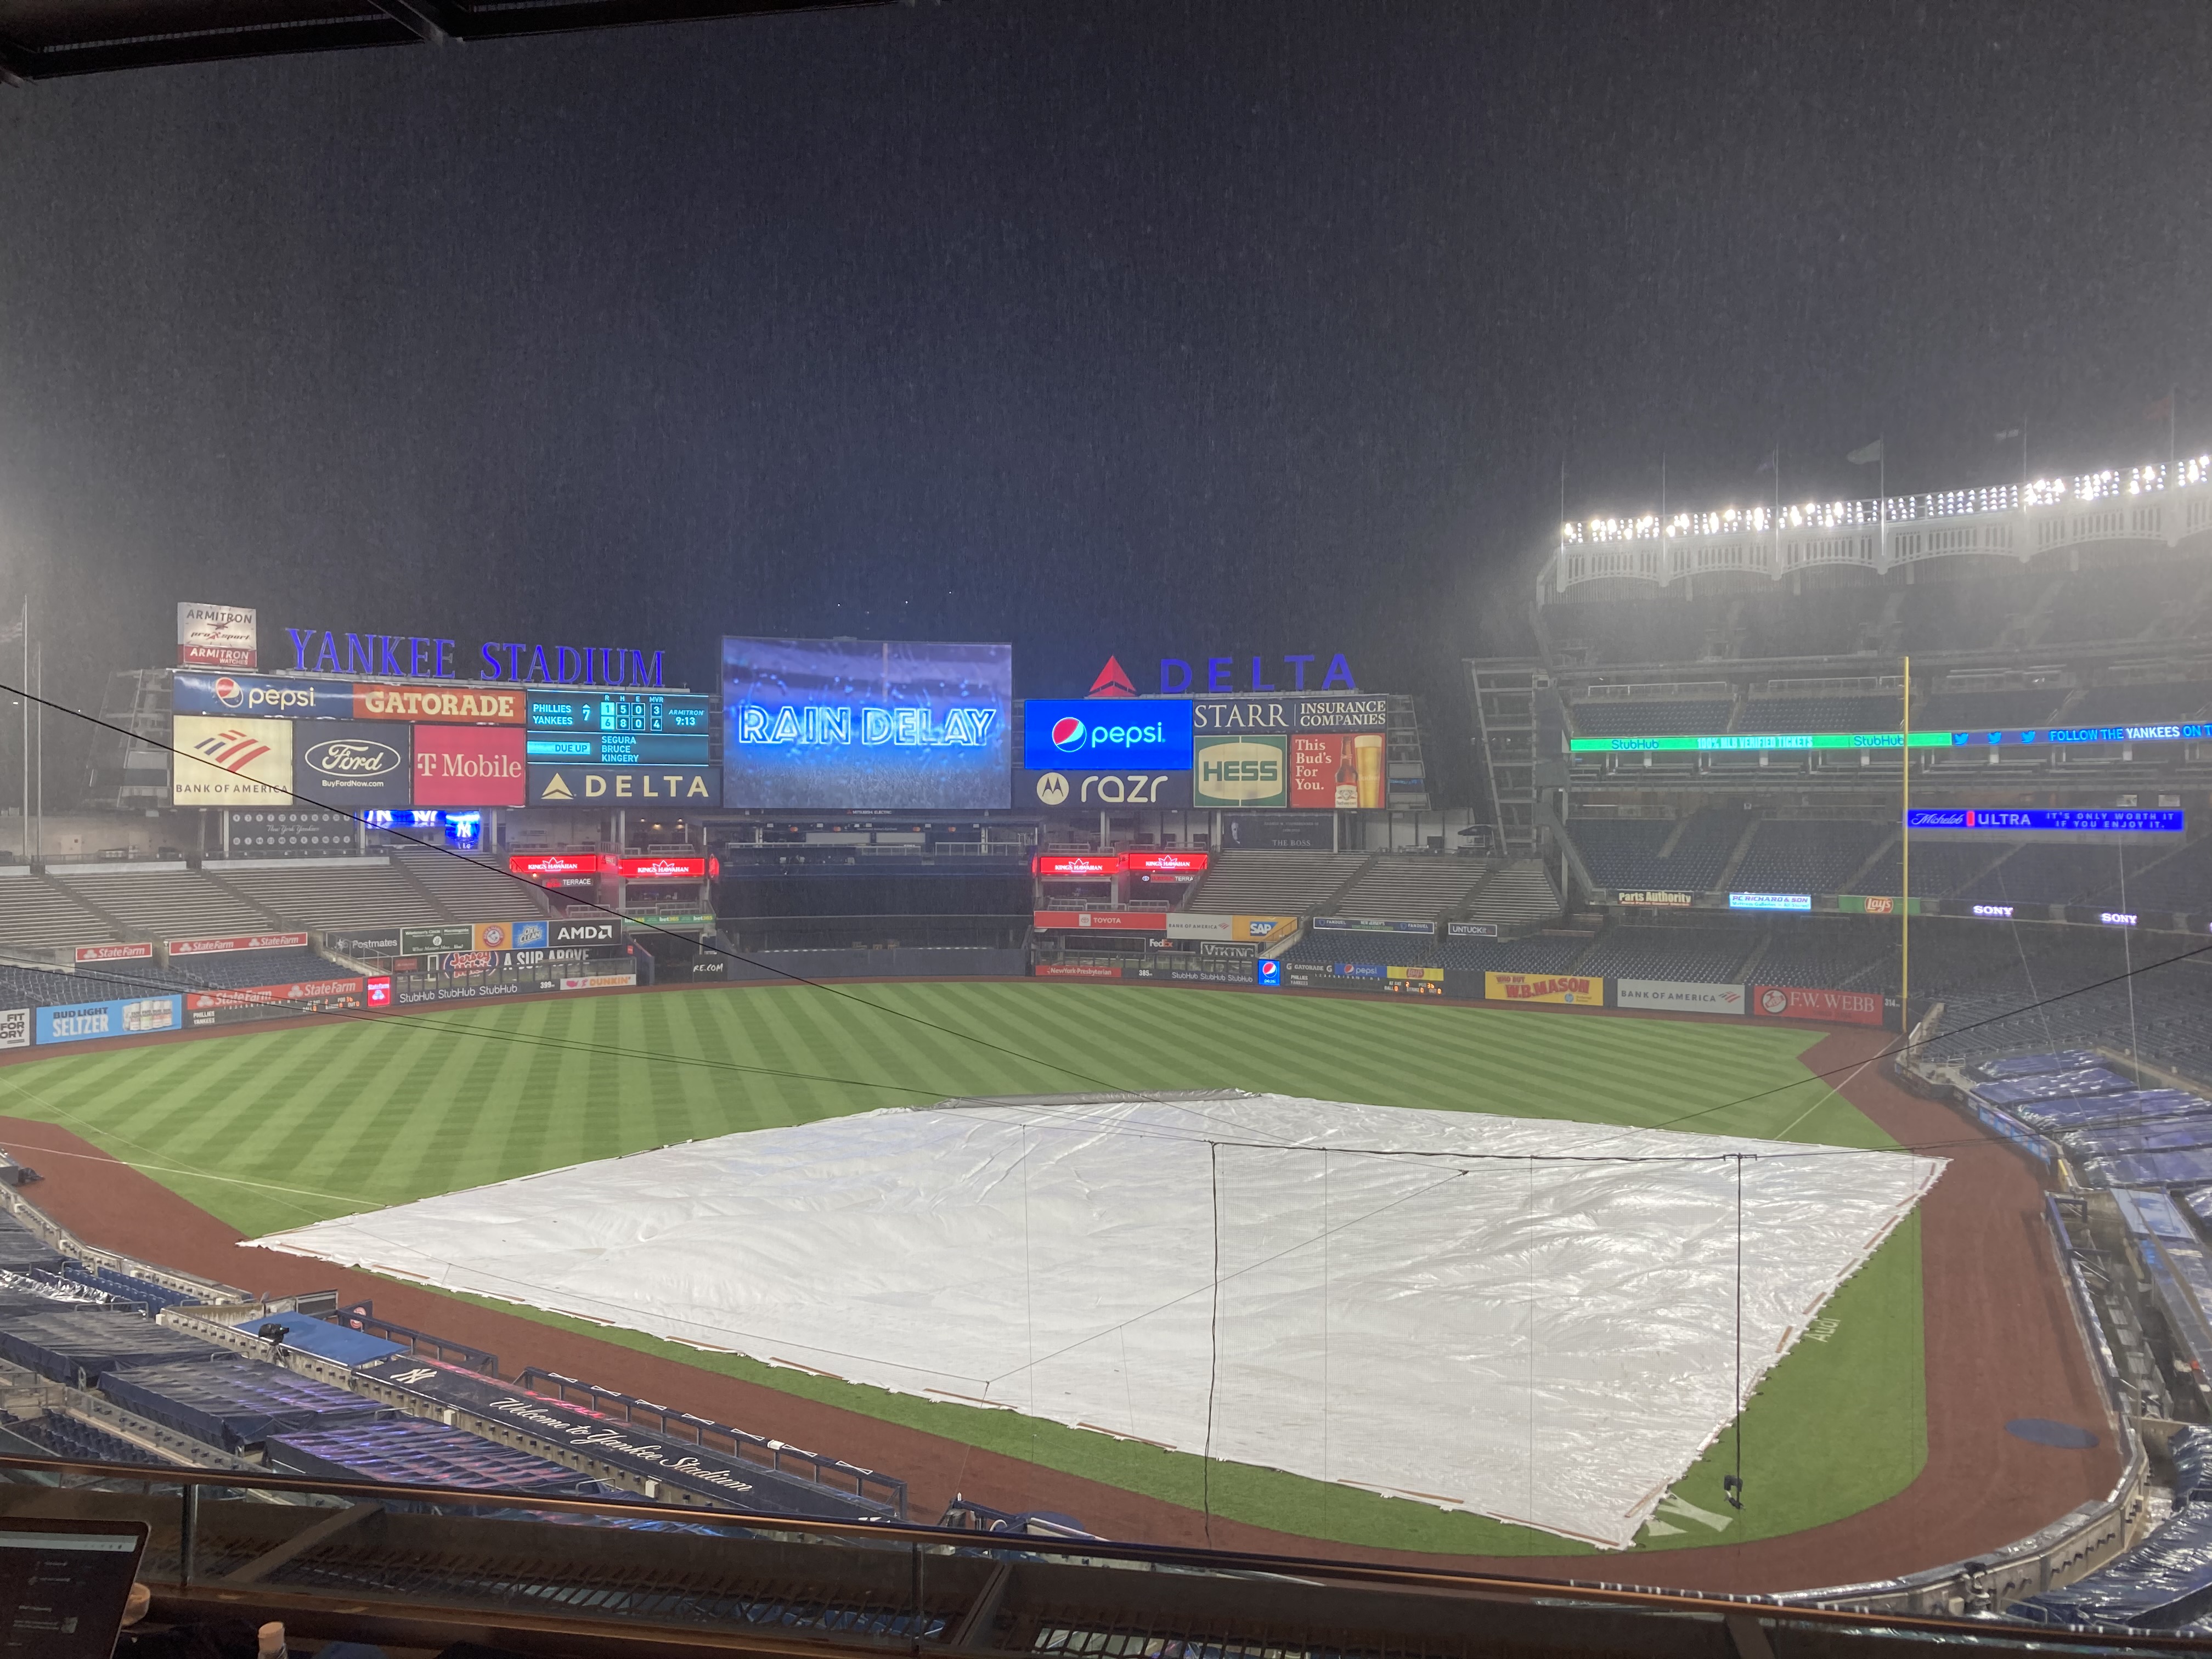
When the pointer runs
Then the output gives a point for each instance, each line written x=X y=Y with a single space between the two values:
x=352 y=758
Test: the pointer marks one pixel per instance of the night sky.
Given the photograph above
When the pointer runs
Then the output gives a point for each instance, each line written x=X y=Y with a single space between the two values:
x=1155 y=329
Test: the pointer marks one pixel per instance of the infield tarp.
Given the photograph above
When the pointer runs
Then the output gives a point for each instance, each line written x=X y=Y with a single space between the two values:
x=1532 y=1320
x=2053 y=1085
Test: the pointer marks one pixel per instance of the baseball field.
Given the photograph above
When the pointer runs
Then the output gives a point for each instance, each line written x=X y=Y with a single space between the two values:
x=271 y=1129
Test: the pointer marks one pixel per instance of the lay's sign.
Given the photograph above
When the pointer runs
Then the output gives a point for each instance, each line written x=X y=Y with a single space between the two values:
x=1544 y=988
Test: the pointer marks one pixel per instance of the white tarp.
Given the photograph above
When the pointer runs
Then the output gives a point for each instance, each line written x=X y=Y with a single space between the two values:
x=1532 y=1320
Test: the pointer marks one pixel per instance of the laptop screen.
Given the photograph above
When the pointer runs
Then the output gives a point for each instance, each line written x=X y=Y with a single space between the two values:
x=63 y=1585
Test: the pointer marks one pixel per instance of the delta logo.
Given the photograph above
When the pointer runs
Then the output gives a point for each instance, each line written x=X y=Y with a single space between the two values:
x=1113 y=681
x=233 y=752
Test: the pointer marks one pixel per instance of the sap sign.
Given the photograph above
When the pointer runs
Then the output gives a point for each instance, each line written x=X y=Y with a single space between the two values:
x=1131 y=734
x=80 y=1022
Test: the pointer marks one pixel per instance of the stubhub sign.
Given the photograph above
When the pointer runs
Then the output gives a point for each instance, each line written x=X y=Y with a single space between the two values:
x=1106 y=735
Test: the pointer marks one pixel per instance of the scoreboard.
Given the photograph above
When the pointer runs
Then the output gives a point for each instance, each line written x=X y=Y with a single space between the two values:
x=645 y=713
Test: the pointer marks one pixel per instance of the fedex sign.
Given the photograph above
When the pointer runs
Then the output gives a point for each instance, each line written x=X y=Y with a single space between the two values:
x=1084 y=735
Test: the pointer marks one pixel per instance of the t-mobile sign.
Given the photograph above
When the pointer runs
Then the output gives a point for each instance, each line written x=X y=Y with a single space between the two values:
x=468 y=766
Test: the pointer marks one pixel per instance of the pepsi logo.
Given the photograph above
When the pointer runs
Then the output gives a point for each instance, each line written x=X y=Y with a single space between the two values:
x=229 y=692
x=1067 y=733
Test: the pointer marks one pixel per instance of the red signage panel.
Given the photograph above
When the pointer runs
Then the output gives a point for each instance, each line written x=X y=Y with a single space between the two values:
x=468 y=766
x=256 y=996
x=1079 y=867
x=202 y=947
x=661 y=869
x=541 y=866
x=1809 y=1002
x=1106 y=922
x=1164 y=863
x=114 y=952
x=379 y=991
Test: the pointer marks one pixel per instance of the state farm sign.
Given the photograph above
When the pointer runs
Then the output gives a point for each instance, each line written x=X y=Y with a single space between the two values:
x=468 y=766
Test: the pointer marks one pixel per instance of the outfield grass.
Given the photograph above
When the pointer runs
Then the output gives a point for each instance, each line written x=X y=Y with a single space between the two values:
x=275 y=1129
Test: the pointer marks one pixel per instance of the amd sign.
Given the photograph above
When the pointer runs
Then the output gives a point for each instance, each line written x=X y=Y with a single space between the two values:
x=597 y=930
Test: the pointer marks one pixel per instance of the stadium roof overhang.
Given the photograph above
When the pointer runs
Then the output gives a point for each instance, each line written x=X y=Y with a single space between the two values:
x=40 y=39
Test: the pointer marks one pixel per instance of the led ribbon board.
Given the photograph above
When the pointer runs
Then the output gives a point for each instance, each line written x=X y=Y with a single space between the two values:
x=2108 y=820
x=2015 y=738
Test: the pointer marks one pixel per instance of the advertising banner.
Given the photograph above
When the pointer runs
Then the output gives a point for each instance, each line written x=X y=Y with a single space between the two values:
x=1678 y=996
x=1070 y=788
x=1288 y=832
x=666 y=869
x=1228 y=950
x=15 y=1028
x=231 y=763
x=80 y=1022
x=302 y=995
x=889 y=724
x=426 y=941
x=376 y=991
x=1164 y=864
x=1198 y=925
x=1251 y=771
x=200 y=692
x=1121 y=734
x=363 y=941
x=1802 y=1002
x=1657 y=896
x=548 y=868
x=1291 y=715
x=1543 y=987
x=139 y=952
x=1370 y=925
x=1214 y=973
x=492 y=936
x=1770 y=900
x=594 y=930
x=301 y=834
x=216 y=636
x=1876 y=904
x=597 y=982
x=1075 y=970
x=1154 y=922
x=1337 y=772
x=1077 y=866
x=556 y=785
x=217 y=946
x=1414 y=982
x=469 y=765
x=459 y=705
x=1470 y=930
x=354 y=764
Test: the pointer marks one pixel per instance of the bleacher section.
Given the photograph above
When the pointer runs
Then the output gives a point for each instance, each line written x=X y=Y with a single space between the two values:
x=1520 y=892
x=1824 y=953
x=1414 y=888
x=1939 y=867
x=164 y=902
x=2139 y=705
x=2156 y=879
x=1625 y=851
x=1626 y=717
x=312 y=896
x=2044 y=874
x=1807 y=856
x=1968 y=711
x=1710 y=955
x=1539 y=953
x=29 y=988
x=1273 y=884
x=472 y=892
x=1853 y=714
x=34 y=912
